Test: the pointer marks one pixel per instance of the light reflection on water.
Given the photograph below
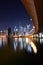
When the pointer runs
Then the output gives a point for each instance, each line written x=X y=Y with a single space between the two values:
x=0 y=42
x=29 y=48
x=41 y=40
x=15 y=46
x=22 y=45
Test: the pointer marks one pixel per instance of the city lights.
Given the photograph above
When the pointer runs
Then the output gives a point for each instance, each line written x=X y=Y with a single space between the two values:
x=29 y=49
x=15 y=46
x=21 y=38
x=21 y=43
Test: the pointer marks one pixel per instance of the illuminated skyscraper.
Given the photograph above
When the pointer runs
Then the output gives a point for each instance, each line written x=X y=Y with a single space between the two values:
x=21 y=30
x=24 y=29
x=28 y=28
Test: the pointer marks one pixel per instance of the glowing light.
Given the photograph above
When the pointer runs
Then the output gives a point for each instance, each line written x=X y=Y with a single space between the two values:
x=32 y=31
x=16 y=38
x=21 y=42
x=28 y=26
x=41 y=40
x=15 y=42
x=15 y=46
x=33 y=46
x=4 y=41
x=33 y=27
x=40 y=34
x=25 y=45
x=35 y=35
x=26 y=40
x=31 y=19
x=29 y=48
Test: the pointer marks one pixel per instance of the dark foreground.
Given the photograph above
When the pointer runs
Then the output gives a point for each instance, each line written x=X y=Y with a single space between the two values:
x=8 y=56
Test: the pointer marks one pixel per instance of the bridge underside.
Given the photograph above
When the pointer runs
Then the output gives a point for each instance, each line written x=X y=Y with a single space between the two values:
x=30 y=7
x=39 y=9
x=33 y=6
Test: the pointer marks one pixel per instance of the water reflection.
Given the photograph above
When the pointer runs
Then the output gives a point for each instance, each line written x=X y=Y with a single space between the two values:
x=15 y=45
x=41 y=40
x=23 y=44
x=0 y=42
x=28 y=48
x=5 y=41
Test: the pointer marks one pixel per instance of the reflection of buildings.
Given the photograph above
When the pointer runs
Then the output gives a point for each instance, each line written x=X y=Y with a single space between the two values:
x=19 y=39
x=9 y=34
x=0 y=42
x=3 y=38
x=21 y=42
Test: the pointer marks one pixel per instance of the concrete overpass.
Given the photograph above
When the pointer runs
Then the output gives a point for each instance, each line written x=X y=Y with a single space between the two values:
x=34 y=8
x=39 y=9
x=30 y=7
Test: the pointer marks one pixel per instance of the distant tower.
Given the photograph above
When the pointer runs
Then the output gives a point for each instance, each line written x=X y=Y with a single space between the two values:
x=21 y=30
x=24 y=29
x=28 y=28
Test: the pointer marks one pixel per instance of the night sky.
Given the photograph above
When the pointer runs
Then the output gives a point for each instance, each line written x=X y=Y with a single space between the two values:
x=13 y=13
